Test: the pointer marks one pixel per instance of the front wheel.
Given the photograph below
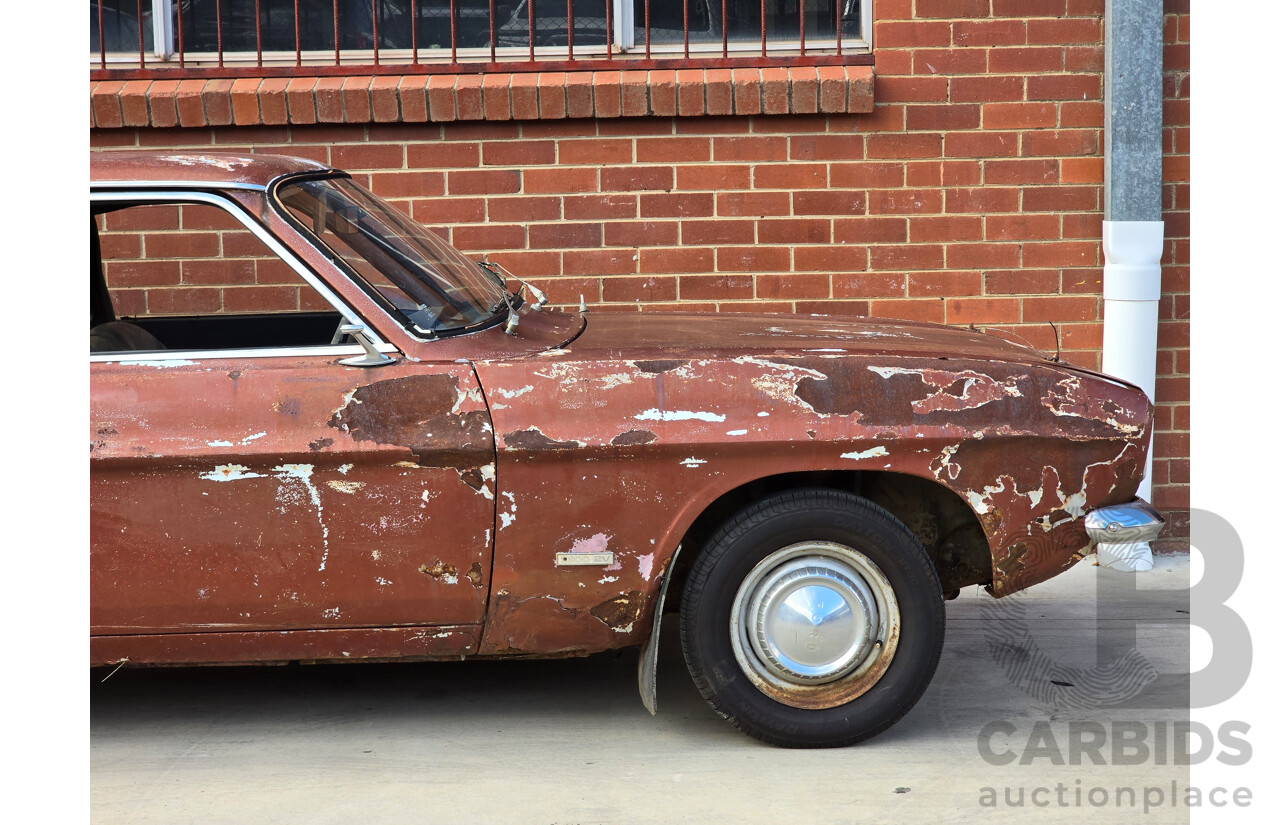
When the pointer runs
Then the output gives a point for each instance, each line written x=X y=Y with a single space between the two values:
x=812 y=618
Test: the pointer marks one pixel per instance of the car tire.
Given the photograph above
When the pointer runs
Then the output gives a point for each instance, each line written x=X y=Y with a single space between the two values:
x=812 y=618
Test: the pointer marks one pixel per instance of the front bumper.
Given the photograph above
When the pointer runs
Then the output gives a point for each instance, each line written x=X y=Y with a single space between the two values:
x=1130 y=523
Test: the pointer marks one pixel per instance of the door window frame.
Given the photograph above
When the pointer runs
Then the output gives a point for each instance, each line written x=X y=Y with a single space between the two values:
x=145 y=197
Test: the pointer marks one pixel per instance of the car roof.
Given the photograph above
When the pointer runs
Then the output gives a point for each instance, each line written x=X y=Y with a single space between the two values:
x=204 y=168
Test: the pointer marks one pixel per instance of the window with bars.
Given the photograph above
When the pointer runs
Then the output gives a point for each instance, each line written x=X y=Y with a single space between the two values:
x=216 y=33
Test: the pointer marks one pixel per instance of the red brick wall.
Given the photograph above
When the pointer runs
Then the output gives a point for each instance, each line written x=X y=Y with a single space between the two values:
x=194 y=259
x=972 y=194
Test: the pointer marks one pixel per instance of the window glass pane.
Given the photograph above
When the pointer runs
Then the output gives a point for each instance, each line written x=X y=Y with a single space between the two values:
x=314 y=23
x=742 y=19
x=119 y=26
x=551 y=23
x=192 y=277
x=431 y=284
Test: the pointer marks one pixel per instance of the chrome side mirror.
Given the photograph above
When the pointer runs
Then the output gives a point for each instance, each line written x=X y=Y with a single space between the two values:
x=371 y=357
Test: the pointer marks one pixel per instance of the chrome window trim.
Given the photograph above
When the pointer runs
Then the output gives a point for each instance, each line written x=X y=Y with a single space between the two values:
x=185 y=184
x=148 y=357
x=281 y=251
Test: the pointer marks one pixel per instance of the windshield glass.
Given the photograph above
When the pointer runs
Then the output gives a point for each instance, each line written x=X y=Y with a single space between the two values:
x=432 y=285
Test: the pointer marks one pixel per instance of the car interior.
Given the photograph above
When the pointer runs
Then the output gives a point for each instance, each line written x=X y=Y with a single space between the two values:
x=110 y=332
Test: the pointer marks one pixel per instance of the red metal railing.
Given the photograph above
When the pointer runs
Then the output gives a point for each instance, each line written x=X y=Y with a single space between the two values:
x=214 y=38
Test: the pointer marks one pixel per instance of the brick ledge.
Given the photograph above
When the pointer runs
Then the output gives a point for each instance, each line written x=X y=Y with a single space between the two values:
x=116 y=104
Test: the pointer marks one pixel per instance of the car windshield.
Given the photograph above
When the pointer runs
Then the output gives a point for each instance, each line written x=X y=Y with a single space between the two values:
x=434 y=287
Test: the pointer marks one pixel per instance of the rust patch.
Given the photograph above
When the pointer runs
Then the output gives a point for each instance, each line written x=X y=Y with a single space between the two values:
x=620 y=612
x=319 y=444
x=534 y=439
x=659 y=366
x=633 y=438
x=471 y=478
x=440 y=570
x=475 y=574
x=290 y=407
x=108 y=430
x=416 y=412
x=234 y=374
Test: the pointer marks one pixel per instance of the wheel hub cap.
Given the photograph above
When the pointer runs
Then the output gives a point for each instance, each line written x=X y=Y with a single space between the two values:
x=814 y=625
x=812 y=621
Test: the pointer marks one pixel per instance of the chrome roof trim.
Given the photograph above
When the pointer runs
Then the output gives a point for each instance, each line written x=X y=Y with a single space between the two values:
x=175 y=184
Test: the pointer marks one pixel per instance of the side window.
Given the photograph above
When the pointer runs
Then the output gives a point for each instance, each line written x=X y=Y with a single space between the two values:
x=190 y=276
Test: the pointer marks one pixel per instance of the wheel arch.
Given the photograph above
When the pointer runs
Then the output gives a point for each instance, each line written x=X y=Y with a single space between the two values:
x=939 y=518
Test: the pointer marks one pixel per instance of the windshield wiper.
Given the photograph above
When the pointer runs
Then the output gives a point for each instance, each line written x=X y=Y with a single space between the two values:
x=513 y=320
x=503 y=275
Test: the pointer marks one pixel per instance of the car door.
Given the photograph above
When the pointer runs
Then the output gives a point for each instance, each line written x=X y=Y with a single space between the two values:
x=260 y=489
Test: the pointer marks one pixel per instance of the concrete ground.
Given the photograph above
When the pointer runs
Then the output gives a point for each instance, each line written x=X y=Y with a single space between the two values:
x=569 y=741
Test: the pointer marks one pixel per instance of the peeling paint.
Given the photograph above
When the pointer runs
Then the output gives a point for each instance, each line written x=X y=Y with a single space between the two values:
x=230 y=472
x=874 y=452
x=678 y=415
x=440 y=571
x=302 y=473
x=508 y=518
x=597 y=543
x=633 y=438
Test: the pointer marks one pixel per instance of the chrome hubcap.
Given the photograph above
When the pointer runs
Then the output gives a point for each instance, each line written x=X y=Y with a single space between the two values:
x=810 y=619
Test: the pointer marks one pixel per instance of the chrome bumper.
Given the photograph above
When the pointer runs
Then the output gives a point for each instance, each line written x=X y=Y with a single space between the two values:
x=1136 y=521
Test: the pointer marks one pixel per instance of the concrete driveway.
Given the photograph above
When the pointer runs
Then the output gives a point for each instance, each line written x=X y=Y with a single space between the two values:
x=569 y=742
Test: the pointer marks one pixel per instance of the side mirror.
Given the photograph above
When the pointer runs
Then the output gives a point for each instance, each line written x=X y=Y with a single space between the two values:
x=371 y=357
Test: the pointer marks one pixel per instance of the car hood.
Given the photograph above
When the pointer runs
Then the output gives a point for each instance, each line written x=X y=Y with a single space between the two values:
x=635 y=336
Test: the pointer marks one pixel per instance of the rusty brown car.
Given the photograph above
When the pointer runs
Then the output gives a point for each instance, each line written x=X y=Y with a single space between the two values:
x=318 y=432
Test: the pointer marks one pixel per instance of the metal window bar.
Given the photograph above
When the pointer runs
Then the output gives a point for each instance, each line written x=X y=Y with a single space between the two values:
x=142 y=42
x=800 y=11
x=102 y=43
x=675 y=37
x=648 y=30
x=413 y=31
x=686 y=29
x=724 y=28
x=764 y=37
x=608 y=29
x=453 y=31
